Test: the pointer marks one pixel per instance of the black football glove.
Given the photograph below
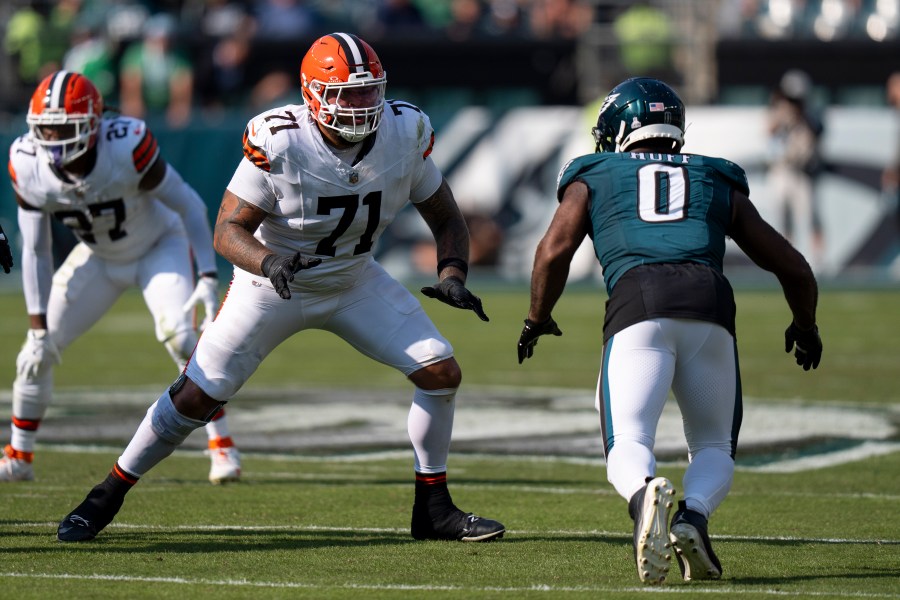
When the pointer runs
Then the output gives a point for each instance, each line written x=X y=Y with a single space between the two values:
x=530 y=334
x=808 y=343
x=6 y=260
x=280 y=269
x=452 y=291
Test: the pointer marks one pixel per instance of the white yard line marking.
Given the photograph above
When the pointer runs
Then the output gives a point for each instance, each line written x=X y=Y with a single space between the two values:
x=685 y=589
x=864 y=450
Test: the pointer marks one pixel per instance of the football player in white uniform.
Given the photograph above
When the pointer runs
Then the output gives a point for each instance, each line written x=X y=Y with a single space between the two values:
x=138 y=224
x=318 y=185
x=6 y=259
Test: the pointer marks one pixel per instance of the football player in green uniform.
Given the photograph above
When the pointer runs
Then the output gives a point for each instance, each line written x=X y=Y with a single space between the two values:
x=658 y=220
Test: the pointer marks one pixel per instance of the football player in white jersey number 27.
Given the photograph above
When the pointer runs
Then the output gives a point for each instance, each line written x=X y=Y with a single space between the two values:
x=137 y=224
x=317 y=186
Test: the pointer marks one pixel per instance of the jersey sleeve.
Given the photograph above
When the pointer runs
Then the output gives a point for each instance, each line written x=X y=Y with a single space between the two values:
x=146 y=152
x=733 y=174
x=19 y=150
x=134 y=145
x=427 y=177
x=253 y=185
x=572 y=171
x=251 y=180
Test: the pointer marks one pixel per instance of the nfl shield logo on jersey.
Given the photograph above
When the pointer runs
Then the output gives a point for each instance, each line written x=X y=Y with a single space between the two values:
x=354 y=177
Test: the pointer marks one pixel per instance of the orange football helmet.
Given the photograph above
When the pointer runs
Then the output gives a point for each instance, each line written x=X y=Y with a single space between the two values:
x=343 y=84
x=64 y=115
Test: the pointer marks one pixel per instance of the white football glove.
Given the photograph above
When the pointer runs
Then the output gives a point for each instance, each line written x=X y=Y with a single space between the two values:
x=38 y=351
x=207 y=293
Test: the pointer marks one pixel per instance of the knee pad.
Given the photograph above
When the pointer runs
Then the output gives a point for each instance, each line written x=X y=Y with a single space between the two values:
x=168 y=423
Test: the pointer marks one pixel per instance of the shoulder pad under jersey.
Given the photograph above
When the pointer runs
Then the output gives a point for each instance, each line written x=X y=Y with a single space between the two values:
x=122 y=137
x=411 y=123
x=260 y=143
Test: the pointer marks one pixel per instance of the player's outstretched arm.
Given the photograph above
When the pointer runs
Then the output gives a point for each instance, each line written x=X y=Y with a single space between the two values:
x=451 y=236
x=772 y=252
x=233 y=239
x=552 y=259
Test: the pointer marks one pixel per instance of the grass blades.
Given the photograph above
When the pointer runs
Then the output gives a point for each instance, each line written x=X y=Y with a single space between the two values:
x=334 y=528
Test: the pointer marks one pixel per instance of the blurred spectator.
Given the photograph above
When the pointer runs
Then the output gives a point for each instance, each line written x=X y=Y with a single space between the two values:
x=565 y=19
x=275 y=88
x=92 y=55
x=154 y=77
x=393 y=17
x=394 y=14
x=504 y=17
x=465 y=19
x=644 y=35
x=795 y=160
x=37 y=37
x=124 y=19
x=890 y=180
x=227 y=29
x=280 y=20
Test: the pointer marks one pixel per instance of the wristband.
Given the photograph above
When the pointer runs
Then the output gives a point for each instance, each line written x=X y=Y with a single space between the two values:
x=266 y=263
x=453 y=262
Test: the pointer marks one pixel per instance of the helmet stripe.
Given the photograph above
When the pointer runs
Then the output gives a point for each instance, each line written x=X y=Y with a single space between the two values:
x=354 y=51
x=56 y=91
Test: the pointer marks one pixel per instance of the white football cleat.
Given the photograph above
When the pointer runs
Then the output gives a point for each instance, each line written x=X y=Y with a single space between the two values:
x=15 y=469
x=226 y=465
x=652 y=548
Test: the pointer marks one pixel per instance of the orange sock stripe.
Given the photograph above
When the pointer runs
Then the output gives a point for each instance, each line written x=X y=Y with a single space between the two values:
x=222 y=442
x=18 y=454
x=431 y=478
x=126 y=477
x=26 y=424
x=218 y=415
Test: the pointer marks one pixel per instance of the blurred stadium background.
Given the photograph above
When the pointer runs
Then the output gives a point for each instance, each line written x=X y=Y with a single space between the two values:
x=511 y=87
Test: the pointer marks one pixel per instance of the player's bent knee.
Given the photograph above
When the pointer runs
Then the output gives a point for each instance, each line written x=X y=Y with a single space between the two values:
x=440 y=375
x=190 y=400
x=180 y=344
x=170 y=424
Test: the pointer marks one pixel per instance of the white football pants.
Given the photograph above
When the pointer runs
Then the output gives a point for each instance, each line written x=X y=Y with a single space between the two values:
x=697 y=361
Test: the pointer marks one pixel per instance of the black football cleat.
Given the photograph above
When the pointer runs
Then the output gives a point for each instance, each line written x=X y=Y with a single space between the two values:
x=693 y=549
x=456 y=525
x=92 y=515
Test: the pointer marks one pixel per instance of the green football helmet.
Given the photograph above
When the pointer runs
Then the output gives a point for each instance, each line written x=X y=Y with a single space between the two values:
x=638 y=109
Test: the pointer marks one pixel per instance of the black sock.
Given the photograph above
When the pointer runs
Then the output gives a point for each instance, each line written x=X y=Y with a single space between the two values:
x=106 y=498
x=120 y=479
x=432 y=494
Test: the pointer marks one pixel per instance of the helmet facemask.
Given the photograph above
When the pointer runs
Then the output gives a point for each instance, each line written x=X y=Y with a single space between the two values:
x=65 y=137
x=64 y=116
x=353 y=108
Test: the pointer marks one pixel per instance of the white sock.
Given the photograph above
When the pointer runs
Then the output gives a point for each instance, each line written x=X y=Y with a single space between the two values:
x=628 y=464
x=707 y=480
x=430 y=425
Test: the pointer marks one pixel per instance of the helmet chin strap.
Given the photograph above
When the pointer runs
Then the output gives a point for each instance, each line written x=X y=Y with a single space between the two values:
x=620 y=136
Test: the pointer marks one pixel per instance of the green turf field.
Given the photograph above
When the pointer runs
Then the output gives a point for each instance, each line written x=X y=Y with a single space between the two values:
x=335 y=526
